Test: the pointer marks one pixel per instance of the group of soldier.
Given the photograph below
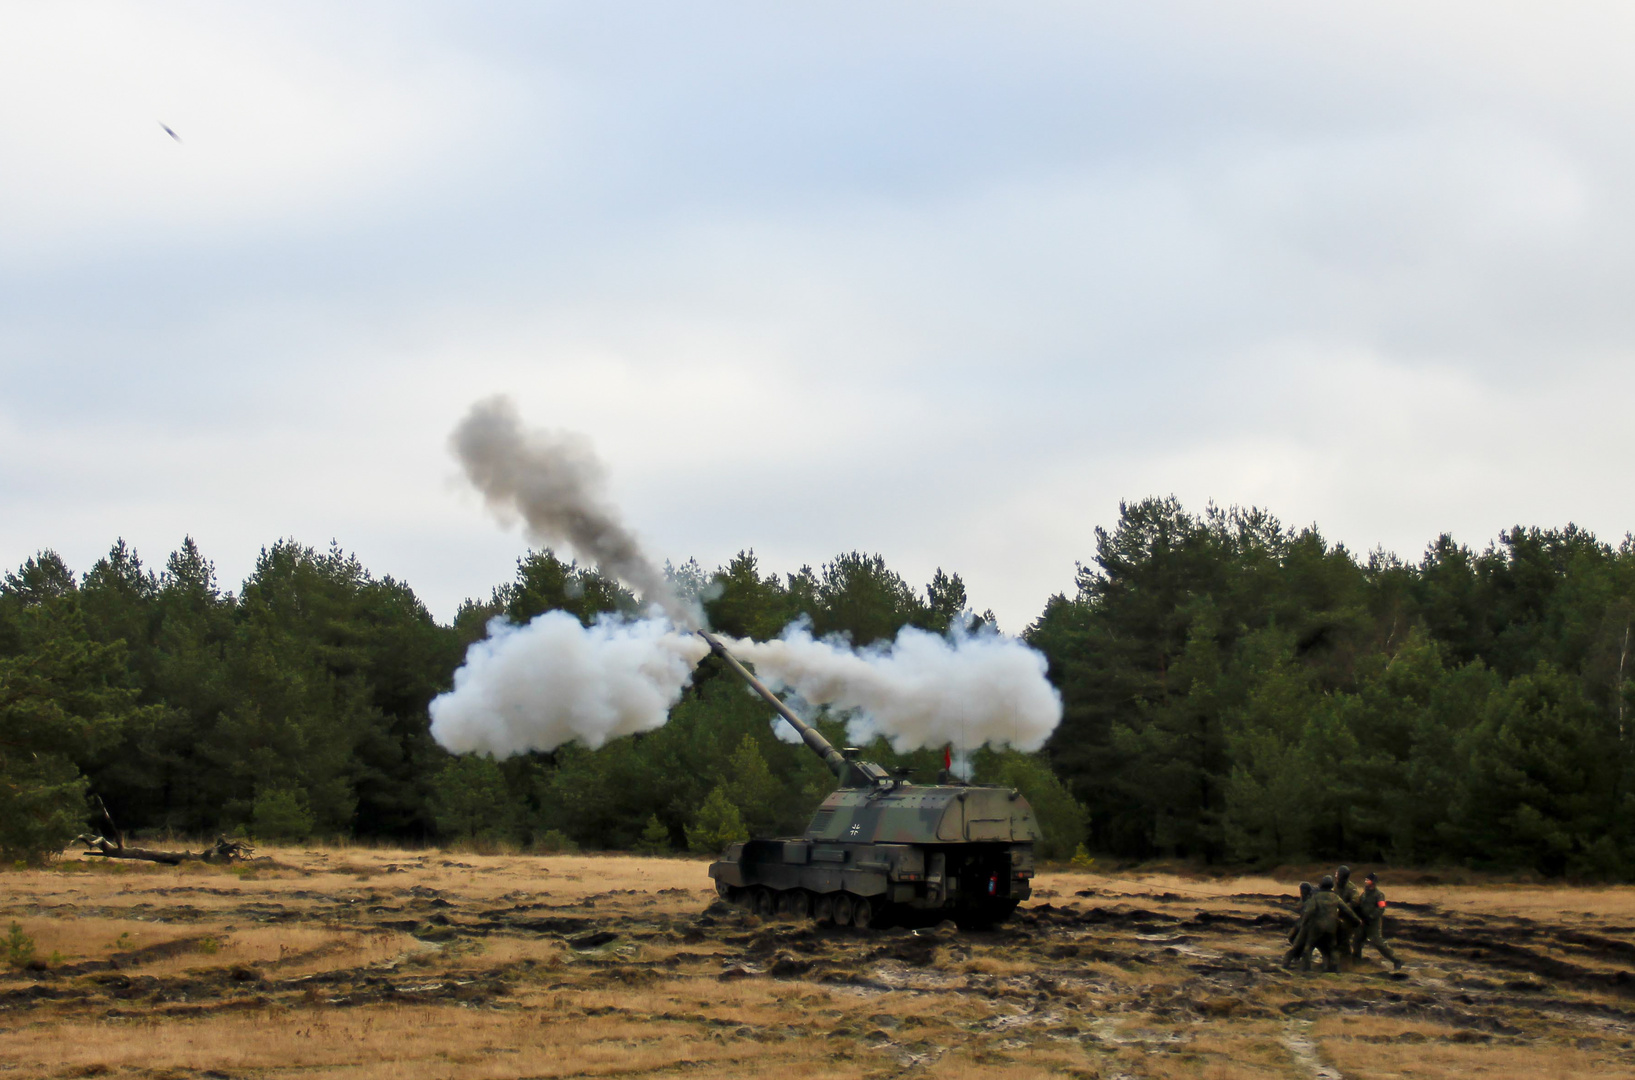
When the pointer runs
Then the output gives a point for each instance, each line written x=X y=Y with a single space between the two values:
x=1337 y=919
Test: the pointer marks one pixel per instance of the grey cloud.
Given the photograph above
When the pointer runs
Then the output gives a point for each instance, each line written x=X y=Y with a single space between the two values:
x=945 y=282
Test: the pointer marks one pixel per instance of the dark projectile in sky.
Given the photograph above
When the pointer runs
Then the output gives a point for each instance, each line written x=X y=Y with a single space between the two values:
x=169 y=132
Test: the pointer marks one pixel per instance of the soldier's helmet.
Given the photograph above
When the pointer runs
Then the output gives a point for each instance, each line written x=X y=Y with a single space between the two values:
x=1327 y=883
x=1306 y=890
x=1343 y=874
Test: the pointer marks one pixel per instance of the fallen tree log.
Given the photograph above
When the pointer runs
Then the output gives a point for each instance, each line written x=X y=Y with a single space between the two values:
x=223 y=850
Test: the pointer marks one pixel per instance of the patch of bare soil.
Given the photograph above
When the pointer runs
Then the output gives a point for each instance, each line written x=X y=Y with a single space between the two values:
x=401 y=964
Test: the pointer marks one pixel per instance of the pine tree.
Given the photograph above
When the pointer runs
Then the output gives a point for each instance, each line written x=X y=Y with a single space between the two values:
x=64 y=699
x=717 y=824
x=751 y=787
x=470 y=800
x=655 y=836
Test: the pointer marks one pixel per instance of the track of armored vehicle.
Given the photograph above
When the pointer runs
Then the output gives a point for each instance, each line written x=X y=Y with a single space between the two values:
x=882 y=851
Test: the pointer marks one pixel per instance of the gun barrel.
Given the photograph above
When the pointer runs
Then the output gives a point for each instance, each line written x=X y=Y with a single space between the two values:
x=809 y=734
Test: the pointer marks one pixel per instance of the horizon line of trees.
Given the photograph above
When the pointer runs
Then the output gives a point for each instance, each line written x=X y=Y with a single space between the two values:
x=1235 y=691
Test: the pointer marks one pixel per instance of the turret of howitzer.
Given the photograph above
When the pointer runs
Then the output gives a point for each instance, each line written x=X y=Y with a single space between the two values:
x=880 y=849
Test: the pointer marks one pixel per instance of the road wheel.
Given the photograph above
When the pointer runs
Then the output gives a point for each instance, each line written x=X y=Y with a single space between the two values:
x=862 y=913
x=843 y=909
x=796 y=905
x=823 y=909
x=765 y=903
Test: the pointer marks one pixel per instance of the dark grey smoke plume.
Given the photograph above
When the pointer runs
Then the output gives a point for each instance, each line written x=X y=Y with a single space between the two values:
x=555 y=484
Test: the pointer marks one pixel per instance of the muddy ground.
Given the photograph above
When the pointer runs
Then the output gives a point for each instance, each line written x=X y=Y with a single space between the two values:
x=390 y=963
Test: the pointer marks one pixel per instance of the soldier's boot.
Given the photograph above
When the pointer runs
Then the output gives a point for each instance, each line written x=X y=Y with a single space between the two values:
x=1376 y=938
x=1296 y=947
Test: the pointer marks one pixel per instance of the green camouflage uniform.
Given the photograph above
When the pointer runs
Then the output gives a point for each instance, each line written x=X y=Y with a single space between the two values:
x=1298 y=934
x=1350 y=939
x=1325 y=914
x=1371 y=907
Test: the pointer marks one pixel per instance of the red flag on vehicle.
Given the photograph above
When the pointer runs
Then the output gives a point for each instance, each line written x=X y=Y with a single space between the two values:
x=948 y=756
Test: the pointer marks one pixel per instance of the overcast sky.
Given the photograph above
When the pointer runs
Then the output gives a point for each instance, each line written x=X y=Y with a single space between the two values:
x=943 y=281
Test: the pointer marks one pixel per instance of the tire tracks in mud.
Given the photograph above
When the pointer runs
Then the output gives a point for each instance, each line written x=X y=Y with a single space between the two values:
x=1449 y=936
x=1297 y=1038
x=1508 y=979
x=1476 y=991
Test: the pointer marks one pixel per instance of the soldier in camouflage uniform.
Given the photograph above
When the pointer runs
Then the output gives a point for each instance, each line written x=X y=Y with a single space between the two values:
x=1346 y=889
x=1325 y=914
x=1297 y=932
x=1372 y=905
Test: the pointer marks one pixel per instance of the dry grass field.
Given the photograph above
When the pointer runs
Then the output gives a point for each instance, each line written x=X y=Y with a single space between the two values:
x=393 y=964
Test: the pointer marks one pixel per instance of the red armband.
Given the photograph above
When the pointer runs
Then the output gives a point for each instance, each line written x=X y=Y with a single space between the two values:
x=1381 y=903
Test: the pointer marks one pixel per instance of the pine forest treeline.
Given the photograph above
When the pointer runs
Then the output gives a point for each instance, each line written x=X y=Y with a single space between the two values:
x=1236 y=692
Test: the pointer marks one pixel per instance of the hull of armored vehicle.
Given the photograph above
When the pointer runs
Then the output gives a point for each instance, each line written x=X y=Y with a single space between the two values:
x=881 y=850
x=893 y=854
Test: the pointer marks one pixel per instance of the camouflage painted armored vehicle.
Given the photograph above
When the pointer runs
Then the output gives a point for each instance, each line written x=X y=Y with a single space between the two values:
x=882 y=851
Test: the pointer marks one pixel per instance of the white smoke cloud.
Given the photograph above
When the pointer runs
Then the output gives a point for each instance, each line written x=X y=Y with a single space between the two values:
x=555 y=680
x=920 y=690
x=555 y=483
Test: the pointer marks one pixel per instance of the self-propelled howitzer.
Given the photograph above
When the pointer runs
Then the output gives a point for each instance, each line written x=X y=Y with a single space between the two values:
x=881 y=850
